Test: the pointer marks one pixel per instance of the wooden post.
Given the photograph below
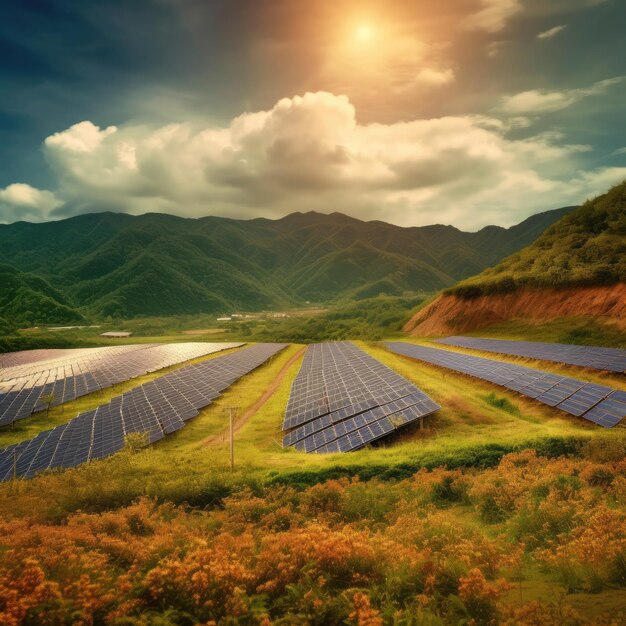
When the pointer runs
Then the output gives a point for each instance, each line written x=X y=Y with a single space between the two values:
x=232 y=440
x=232 y=414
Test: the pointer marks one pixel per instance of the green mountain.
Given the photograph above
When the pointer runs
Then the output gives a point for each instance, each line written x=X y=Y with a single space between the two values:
x=120 y=265
x=27 y=299
x=586 y=247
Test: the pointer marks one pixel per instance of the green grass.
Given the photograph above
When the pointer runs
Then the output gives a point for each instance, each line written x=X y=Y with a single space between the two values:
x=502 y=403
x=581 y=330
x=475 y=427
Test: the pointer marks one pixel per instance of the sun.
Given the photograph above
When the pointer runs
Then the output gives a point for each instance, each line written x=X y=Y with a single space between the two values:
x=364 y=33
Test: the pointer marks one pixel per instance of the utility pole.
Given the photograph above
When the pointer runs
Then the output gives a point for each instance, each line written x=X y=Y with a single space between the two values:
x=232 y=414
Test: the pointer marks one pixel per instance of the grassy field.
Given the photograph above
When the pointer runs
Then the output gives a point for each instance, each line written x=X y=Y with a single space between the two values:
x=469 y=519
x=582 y=330
x=476 y=425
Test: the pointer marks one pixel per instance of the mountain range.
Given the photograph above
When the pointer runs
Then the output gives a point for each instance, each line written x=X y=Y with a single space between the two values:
x=112 y=264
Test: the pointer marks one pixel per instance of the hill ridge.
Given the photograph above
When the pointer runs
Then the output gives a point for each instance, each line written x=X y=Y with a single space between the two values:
x=117 y=264
x=577 y=267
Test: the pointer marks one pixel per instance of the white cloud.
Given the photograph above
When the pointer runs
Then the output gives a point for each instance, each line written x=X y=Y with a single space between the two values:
x=20 y=201
x=310 y=153
x=544 y=101
x=493 y=15
x=435 y=77
x=552 y=32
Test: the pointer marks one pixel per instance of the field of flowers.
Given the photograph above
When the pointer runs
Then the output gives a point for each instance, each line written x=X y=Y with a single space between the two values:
x=460 y=547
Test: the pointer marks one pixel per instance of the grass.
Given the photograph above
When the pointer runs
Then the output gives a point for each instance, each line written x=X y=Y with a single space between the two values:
x=474 y=427
x=581 y=330
x=502 y=403
x=538 y=587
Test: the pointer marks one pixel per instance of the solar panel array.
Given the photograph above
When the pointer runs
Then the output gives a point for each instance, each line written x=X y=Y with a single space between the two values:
x=30 y=362
x=597 y=403
x=610 y=359
x=156 y=408
x=74 y=375
x=343 y=399
x=25 y=357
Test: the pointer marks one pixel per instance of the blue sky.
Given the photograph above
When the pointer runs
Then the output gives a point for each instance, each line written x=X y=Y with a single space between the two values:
x=469 y=112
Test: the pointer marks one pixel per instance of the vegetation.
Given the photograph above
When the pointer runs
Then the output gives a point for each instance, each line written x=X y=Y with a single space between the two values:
x=573 y=330
x=26 y=299
x=496 y=497
x=442 y=547
x=587 y=247
x=123 y=266
x=370 y=319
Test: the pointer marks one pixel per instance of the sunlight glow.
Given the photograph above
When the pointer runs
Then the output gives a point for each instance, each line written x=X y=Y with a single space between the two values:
x=364 y=33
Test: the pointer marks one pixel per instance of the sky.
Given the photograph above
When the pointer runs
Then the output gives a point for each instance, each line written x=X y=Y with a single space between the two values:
x=462 y=112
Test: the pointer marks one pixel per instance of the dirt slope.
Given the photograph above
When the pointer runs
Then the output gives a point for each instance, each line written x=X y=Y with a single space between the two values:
x=451 y=314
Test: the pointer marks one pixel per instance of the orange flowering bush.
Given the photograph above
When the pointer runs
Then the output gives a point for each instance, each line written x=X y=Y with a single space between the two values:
x=363 y=613
x=439 y=548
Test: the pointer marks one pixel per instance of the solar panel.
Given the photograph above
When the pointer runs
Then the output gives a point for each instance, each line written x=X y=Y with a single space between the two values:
x=610 y=411
x=341 y=398
x=24 y=388
x=596 y=403
x=156 y=408
x=610 y=359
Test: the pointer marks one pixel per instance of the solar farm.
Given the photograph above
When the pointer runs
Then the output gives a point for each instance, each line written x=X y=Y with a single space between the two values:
x=25 y=385
x=609 y=359
x=341 y=398
x=154 y=409
x=599 y=404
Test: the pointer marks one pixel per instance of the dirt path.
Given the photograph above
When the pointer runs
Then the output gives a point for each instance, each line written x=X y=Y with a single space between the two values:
x=242 y=419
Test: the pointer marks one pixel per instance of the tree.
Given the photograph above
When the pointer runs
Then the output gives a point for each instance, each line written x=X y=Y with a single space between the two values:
x=48 y=399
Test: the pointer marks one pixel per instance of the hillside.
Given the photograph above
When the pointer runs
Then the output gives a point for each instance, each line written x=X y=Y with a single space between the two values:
x=120 y=265
x=576 y=268
x=587 y=247
x=26 y=299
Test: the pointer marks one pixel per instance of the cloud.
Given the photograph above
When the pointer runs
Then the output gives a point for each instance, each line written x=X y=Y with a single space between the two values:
x=552 y=32
x=310 y=153
x=435 y=77
x=20 y=201
x=493 y=15
x=543 y=101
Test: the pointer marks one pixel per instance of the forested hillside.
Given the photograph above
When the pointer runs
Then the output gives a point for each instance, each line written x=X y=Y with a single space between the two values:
x=120 y=265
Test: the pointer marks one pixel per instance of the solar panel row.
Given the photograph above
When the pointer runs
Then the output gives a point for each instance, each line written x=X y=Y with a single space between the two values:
x=157 y=408
x=27 y=395
x=610 y=359
x=30 y=362
x=24 y=357
x=343 y=399
x=597 y=403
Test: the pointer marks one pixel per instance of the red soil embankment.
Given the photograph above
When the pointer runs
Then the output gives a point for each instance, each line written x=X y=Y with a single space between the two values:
x=451 y=314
